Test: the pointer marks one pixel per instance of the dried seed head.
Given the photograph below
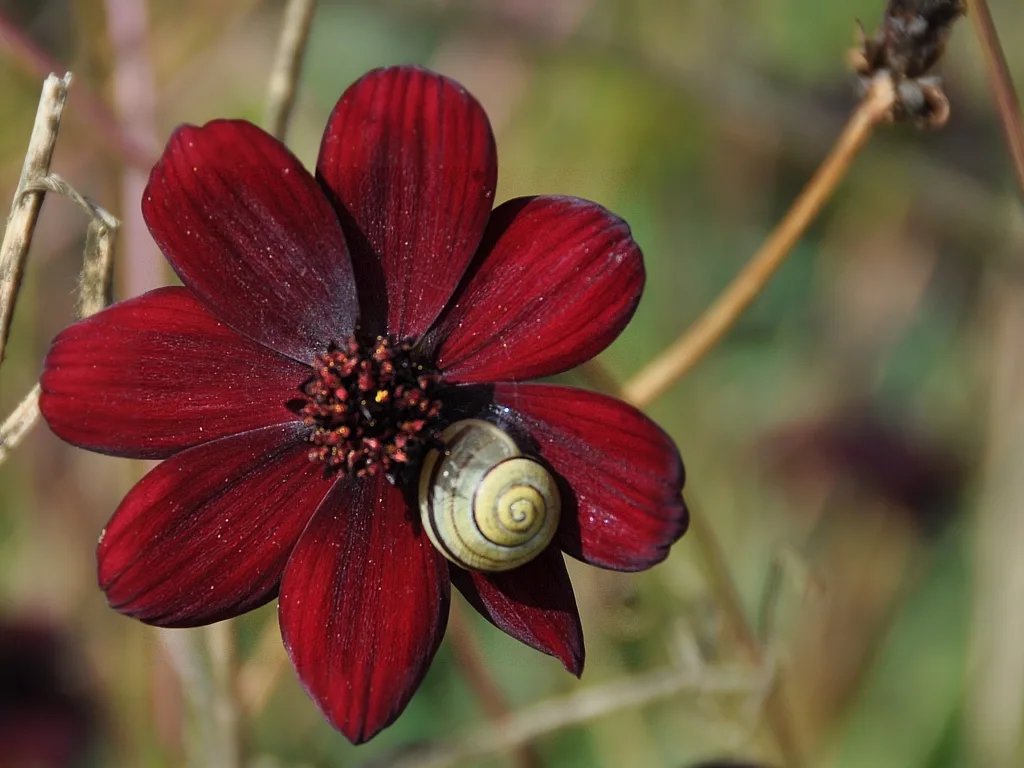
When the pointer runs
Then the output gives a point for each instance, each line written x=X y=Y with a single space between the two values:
x=909 y=42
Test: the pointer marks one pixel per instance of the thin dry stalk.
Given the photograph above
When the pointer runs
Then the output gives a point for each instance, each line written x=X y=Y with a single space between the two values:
x=655 y=378
x=284 y=75
x=16 y=426
x=1001 y=81
x=557 y=714
x=21 y=223
x=94 y=293
x=995 y=700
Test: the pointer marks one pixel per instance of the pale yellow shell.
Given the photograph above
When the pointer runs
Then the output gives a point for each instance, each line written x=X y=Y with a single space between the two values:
x=483 y=504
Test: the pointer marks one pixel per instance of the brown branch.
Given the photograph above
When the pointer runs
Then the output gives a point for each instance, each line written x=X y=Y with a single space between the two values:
x=21 y=223
x=658 y=375
x=1002 y=84
x=94 y=292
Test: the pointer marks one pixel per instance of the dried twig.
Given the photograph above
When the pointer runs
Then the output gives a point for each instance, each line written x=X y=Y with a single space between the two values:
x=1002 y=84
x=658 y=375
x=21 y=223
x=995 y=701
x=97 y=268
x=284 y=75
x=16 y=426
x=94 y=292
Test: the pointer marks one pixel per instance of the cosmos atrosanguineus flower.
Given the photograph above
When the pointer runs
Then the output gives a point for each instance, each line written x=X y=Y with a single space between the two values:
x=328 y=331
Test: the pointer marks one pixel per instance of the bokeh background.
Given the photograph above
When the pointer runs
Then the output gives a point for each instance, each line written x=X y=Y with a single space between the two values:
x=856 y=444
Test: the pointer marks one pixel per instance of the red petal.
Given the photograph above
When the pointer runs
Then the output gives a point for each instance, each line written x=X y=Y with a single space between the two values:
x=364 y=604
x=622 y=508
x=555 y=282
x=533 y=603
x=153 y=375
x=410 y=161
x=206 y=535
x=249 y=231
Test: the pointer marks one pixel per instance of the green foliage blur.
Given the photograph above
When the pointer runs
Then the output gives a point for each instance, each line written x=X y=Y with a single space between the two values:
x=854 y=443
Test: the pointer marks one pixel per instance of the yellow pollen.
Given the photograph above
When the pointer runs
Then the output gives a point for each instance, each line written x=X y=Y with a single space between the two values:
x=381 y=395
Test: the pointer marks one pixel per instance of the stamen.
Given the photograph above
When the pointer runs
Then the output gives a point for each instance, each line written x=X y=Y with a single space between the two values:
x=371 y=407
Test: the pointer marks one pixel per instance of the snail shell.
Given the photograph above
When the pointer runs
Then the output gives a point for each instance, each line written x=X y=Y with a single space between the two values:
x=483 y=504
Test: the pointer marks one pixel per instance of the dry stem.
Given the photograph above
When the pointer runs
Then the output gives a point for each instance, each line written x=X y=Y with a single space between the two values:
x=655 y=378
x=1002 y=84
x=94 y=293
x=284 y=75
x=21 y=223
x=97 y=266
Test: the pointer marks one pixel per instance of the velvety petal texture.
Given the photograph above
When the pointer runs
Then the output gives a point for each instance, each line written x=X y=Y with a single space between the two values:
x=156 y=374
x=622 y=508
x=410 y=162
x=363 y=606
x=556 y=281
x=534 y=604
x=251 y=234
x=205 y=535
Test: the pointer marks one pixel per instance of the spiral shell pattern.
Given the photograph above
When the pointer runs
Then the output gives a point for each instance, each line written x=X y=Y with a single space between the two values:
x=483 y=504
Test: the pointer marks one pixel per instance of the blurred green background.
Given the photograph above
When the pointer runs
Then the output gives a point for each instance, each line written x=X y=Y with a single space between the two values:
x=856 y=443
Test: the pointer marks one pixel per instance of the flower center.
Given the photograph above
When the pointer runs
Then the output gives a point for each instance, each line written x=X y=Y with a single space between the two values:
x=372 y=407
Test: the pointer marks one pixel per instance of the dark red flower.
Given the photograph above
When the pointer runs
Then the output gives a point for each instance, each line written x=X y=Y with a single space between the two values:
x=328 y=331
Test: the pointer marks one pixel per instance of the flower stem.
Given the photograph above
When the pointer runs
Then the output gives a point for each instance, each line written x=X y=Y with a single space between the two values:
x=21 y=223
x=284 y=75
x=94 y=292
x=1002 y=84
x=709 y=329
